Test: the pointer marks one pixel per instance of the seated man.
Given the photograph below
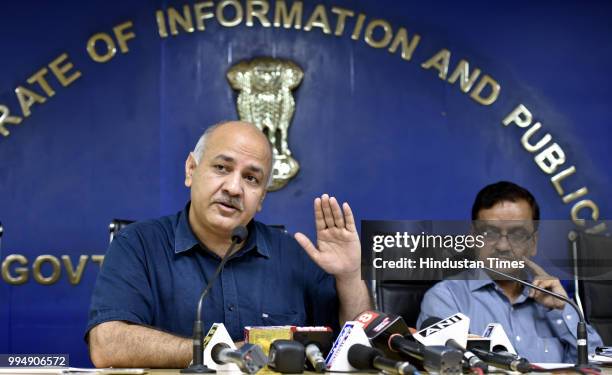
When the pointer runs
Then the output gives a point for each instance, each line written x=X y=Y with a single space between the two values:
x=144 y=302
x=540 y=327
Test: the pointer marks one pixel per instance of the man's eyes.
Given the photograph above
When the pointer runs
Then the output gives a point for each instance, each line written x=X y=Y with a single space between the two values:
x=252 y=179
x=519 y=233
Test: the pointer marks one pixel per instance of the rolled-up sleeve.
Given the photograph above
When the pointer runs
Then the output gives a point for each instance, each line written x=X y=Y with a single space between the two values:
x=564 y=323
x=122 y=290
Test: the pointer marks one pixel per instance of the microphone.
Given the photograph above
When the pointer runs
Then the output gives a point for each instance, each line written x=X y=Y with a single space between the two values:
x=504 y=361
x=498 y=340
x=238 y=235
x=365 y=358
x=250 y=358
x=385 y=332
x=470 y=359
x=286 y=356
x=316 y=340
x=581 y=330
x=315 y=357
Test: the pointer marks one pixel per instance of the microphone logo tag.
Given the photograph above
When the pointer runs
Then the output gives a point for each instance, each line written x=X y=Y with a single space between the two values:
x=382 y=325
x=366 y=317
x=210 y=334
x=441 y=325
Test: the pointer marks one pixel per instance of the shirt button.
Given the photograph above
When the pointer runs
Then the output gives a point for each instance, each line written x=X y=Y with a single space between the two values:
x=518 y=338
x=559 y=321
x=231 y=307
x=568 y=317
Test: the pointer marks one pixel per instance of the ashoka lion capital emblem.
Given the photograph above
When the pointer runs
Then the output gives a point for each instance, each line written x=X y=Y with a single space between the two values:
x=265 y=100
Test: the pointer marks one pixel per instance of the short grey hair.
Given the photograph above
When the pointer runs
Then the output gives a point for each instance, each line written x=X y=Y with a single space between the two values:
x=200 y=147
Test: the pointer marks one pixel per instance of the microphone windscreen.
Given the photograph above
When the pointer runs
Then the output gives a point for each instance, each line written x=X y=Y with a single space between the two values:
x=362 y=357
x=429 y=322
x=215 y=353
x=239 y=233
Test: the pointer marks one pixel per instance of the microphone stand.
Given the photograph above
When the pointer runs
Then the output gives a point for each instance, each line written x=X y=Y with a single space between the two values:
x=198 y=366
x=581 y=330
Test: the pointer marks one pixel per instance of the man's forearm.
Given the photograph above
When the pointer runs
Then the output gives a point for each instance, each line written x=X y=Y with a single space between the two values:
x=119 y=344
x=353 y=295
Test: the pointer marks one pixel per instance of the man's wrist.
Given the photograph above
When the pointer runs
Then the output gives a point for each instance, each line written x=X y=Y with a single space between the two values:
x=349 y=278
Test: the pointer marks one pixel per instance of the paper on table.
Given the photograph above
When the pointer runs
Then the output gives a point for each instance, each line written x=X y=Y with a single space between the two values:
x=554 y=365
x=600 y=358
x=72 y=370
x=31 y=370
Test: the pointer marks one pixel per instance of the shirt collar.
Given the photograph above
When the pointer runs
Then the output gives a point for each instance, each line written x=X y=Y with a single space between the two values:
x=480 y=279
x=185 y=239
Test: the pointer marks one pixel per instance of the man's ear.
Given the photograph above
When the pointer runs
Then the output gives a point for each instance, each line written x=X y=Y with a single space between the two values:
x=190 y=166
x=260 y=204
x=534 y=249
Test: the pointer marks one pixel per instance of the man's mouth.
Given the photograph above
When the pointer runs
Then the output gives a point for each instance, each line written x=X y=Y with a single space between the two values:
x=505 y=257
x=229 y=205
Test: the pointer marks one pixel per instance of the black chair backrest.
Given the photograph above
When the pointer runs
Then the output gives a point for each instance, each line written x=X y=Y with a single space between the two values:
x=594 y=252
x=116 y=225
x=402 y=297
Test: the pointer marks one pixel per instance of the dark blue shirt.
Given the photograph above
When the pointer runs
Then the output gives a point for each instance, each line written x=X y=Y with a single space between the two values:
x=154 y=272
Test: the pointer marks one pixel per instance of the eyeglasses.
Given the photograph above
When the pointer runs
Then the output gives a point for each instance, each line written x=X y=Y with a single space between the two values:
x=517 y=238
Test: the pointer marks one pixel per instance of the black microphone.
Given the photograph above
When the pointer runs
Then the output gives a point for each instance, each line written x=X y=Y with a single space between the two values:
x=470 y=359
x=385 y=332
x=287 y=356
x=504 y=361
x=581 y=331
x=250 y=358
x=365 y=358
x=239 y=234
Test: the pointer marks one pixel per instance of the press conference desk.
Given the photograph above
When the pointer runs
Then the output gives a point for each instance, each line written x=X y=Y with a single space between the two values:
x=604 y=371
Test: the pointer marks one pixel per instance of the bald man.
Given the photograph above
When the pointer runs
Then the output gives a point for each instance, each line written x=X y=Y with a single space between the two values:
x=145 y=298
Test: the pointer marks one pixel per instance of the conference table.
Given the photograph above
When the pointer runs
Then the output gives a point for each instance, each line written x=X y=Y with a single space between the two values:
x=604 y=371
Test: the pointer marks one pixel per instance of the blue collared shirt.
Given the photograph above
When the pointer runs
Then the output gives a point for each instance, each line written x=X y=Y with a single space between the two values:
x=537 y=333
x=154 y=272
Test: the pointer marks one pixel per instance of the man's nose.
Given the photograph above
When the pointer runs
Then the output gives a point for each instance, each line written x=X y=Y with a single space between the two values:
x=233 y=184
x=503 y=244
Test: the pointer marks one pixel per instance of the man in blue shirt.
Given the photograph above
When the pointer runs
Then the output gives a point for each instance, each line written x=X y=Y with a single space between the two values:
x=144 y=301
x=540 y=327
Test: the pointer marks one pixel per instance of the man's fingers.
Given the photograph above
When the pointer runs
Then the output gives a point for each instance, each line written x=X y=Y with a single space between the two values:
x=307 y=245
x=553 y=285
x=338 y=217
x=537 y=270
x=327 y=211
x=318 y=211
x=348 y=217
